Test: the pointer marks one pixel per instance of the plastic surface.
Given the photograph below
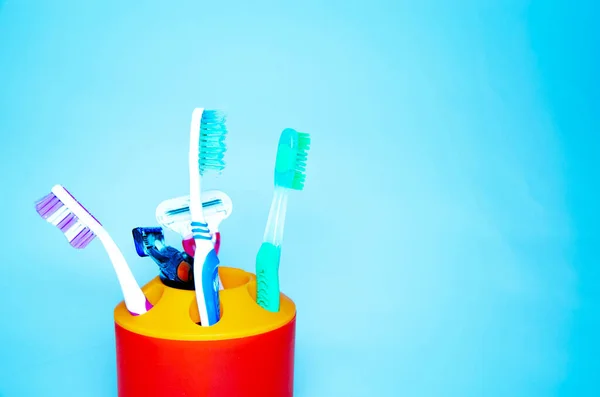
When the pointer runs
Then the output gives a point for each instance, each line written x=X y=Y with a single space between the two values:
x=206 y=153
x=210 y=288
x=176 y=267
x=206 y=282
x=267 y=275
x=80 y=226
x=276 y=220
x=189 y=245
x=61 y=214
x=290 y=167
x=249 y=352
x=174 y=213
x=290 y=163
x=175 y=315
x=145 y=238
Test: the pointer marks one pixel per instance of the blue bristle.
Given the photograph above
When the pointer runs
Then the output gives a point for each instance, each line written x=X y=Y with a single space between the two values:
x=212 y=141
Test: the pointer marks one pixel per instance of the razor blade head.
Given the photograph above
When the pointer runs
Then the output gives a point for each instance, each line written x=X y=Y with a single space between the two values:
x=145 y=238
x=174 y=213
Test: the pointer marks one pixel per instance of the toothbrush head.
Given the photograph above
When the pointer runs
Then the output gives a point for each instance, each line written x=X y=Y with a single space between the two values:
x=145 y=238
x=60 y=208
x=290 y=164
x=212 y=148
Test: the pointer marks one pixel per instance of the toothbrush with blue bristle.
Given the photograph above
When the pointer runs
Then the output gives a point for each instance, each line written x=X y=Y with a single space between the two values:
x=290 y=174
x=207 y=149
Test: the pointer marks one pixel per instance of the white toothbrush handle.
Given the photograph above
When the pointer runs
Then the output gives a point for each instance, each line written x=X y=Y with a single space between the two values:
x=134 y=297
x=205 y=260
x=196 y=213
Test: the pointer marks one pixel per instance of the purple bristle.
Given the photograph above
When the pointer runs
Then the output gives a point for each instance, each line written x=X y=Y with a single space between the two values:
x=48 y=206
x=81 y=205
x=41 y=203
x=83 y=238
x=67 y=222
x=91 y=236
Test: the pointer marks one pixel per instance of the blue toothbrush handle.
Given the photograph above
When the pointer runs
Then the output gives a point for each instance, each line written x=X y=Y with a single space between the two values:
x=210 y=286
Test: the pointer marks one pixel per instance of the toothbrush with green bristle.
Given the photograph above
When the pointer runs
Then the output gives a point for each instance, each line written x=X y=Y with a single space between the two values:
x=290 y=173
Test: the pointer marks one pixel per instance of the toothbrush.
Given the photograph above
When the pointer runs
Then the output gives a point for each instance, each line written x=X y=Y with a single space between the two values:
x=175 y=214
x=207 y=149
x=80 y=227
x=290 y=173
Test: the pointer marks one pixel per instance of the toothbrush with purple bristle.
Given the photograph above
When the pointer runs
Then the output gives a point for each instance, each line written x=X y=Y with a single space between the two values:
x=80 y=227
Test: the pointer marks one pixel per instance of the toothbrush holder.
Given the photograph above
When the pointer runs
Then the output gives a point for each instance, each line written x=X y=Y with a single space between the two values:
x=165 y=353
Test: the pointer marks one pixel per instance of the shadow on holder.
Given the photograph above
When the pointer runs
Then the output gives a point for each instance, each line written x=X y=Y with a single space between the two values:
x=249 y=352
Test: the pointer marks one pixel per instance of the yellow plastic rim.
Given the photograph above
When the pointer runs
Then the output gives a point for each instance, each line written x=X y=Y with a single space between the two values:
x=175 y=313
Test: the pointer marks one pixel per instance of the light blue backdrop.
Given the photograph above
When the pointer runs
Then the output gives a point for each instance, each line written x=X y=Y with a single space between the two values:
x=444 y=244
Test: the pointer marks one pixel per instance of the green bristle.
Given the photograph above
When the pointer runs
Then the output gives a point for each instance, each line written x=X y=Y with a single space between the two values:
x=301 y=158
x=292 y=154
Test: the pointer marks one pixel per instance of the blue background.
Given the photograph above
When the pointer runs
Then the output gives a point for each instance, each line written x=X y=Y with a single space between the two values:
x=445 y=243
